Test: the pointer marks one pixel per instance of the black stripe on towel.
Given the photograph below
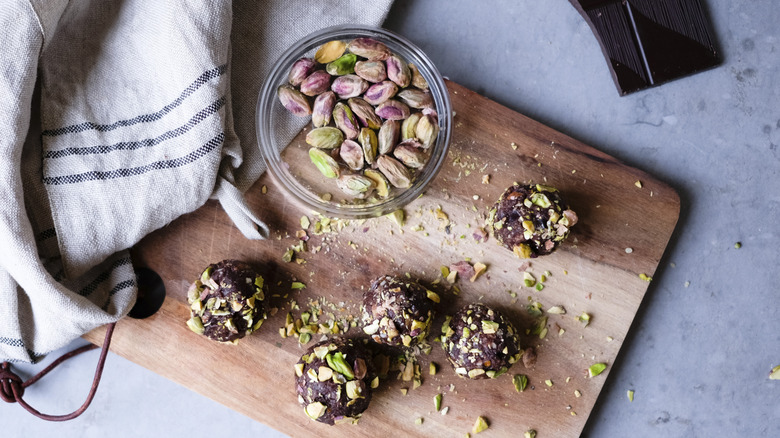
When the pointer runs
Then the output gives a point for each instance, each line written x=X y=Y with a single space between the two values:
x=132 y=145
x=88 y=289
x=140 y=170
x=87 y=126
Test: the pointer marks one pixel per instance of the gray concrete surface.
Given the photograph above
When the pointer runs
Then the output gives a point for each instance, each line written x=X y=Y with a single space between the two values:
x=697 y=357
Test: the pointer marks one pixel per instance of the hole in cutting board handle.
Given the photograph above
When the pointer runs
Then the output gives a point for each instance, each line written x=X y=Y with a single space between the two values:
x=151 y=294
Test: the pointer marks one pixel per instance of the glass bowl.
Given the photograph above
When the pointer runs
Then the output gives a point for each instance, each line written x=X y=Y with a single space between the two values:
x=281 y=135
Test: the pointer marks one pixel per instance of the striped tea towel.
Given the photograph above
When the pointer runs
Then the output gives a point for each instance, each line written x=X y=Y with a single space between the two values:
x=117 y=117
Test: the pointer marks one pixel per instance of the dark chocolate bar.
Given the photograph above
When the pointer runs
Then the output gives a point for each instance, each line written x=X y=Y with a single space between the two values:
x=649 y=42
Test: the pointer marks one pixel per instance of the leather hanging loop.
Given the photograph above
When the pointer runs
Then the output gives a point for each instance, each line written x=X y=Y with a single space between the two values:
x=12 y=387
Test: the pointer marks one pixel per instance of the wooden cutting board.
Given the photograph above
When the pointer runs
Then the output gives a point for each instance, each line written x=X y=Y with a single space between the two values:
x=622 y=233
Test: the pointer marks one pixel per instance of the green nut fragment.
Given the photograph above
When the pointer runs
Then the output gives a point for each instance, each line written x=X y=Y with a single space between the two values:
x=489 y=327
x=315 y=410
x=437 y=402
x=369 y=142
x=584 y=318
x=529 y=434
x=304 y=338
x=358 y=186
x=409 y=125
x=375 y=383
x=337 y=363
x=344 y=65
x=297 y=285
x=540 y=200
x=324 y=162
x=433 y=296
x=596 y=369
x=398 y=217
x=206 y=275
x=418 y=421
x=299 y=369
x=382 y=184
x=354 y=389
x=195 y=324
x=330 y=51
x=326 y=137
x=480 y=425
x=775 y=373
x=630 y=392
x=520 y=381
x=528 y=279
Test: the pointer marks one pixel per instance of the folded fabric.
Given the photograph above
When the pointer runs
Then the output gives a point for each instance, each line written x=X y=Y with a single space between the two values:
x=146 y=111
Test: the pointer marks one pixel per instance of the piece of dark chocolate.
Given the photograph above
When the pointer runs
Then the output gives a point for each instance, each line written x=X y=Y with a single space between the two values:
x=649 y=42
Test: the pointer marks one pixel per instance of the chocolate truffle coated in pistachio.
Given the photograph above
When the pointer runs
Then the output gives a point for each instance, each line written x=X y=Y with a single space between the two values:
x=226 y=302
x=398 y=312
x=531 y=220
x=480 y=342
x=334 y=379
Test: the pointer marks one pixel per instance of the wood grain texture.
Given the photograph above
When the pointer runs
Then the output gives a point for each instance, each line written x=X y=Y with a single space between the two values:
x=591 y=272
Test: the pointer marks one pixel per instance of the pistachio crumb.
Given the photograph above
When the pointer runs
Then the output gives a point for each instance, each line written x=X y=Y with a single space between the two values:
x=638 y=184
x=596 y=369
x=687 y=283
x=775 y=373
x=437 y=402
x=444 y=410
x=645 y=277
x=577 y=393
x=404 y=391
x=548 y=382
x=520 y=381
x=529 y=434
x=264 y=190
x=480 y=425
x=433 y=368
x=630 y=395
x=738 y=245
x=485 y=179
x=418 y=421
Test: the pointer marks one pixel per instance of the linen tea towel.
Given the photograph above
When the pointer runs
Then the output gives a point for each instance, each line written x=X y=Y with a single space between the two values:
x=137 y=102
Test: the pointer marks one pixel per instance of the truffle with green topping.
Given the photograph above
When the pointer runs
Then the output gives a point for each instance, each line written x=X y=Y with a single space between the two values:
x=334 y=379
x=480 y=342
x=227 y=301
x=531 y=220
x=398 y=312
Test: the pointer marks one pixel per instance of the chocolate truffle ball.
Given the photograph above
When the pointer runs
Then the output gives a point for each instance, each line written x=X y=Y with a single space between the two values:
x=480 y=342
x=398 y=312
x=531 y=220
x=226 y=303
x=334 y=379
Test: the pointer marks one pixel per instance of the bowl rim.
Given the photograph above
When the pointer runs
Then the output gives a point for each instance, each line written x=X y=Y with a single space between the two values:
x=270 y=154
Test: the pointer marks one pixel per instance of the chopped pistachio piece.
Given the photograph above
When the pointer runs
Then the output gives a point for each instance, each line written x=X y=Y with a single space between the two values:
x=433 y=296
x=557 y=310
x=397 y=217
x=404 y=391
x=520 y=381
x=479 y=268
x=630 y=394
x=548 y=382
x=375 y=383
x=444 y=410
x=596 y=369
x=437 y=402
x=529 y=434
x=528 y=279
x=577 y=393
x=418 y=421
x=315 y=410
x=775 y=373
x=297 y=285
x=337 y=362
x=480 y=425
x=645 y=277
x=433 y=368
x=738 y=245
x=585 y=318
